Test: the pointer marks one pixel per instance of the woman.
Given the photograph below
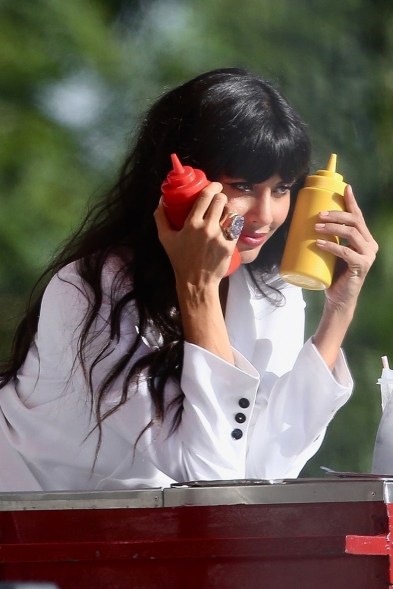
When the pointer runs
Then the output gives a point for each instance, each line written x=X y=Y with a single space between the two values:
x=142 y=364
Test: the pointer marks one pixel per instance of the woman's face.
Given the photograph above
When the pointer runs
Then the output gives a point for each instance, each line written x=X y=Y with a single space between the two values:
x=264 y=207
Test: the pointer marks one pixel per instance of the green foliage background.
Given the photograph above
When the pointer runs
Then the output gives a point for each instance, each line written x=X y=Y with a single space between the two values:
x=75 y=77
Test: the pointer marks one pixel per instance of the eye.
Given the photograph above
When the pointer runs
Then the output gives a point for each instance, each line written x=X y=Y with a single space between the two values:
x=282 y=189
x=244 y=187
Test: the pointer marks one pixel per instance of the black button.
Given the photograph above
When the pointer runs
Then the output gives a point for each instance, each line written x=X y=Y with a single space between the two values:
x=240 y=417
x=244 y=403
x=237 y=434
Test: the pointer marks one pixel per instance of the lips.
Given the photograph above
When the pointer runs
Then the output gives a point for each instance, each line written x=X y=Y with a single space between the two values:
x=253 y=239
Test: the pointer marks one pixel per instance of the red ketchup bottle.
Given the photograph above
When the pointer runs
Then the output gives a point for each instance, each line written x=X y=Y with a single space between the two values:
x=180 y=190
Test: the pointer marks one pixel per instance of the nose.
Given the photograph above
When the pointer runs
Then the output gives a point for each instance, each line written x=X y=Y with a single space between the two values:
x=261 y=213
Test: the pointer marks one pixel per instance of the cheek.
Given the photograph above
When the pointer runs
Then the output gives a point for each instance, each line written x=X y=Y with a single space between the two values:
x=281 y=210
x=237 y=205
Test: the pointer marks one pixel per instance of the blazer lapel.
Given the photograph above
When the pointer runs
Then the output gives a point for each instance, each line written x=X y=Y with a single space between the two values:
x=245 y=318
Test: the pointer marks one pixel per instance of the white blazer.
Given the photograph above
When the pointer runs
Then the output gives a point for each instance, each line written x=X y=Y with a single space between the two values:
x=263 y=418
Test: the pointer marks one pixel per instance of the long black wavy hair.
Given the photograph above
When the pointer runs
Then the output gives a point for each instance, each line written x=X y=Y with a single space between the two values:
x=226 y=121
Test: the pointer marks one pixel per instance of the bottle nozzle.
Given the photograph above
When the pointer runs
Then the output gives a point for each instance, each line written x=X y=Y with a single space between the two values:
x=331 y=166
x=328 y=178
x=177 y=165
x=182 y=182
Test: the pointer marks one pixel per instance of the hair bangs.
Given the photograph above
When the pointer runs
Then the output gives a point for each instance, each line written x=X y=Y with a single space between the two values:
x=259 y=156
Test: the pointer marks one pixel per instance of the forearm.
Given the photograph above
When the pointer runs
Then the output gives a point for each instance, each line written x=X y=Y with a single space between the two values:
x=355 y=253
x=203 y=320
x=331 y=332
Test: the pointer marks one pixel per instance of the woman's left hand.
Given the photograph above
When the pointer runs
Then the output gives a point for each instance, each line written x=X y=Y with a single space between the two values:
x=356 y=252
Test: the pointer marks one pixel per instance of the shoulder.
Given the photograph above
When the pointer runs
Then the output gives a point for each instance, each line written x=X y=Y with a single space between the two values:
x=70 y=280
x=68 y=291
x=115 y=276
x=65 y=284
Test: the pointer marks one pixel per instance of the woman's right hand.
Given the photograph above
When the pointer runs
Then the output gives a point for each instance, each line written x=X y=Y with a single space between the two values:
x=200 y=256
x=199 y=252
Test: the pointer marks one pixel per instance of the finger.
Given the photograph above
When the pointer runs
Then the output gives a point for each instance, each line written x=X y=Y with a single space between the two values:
x=344 y=232
x=358 y=263
x=161 y=219
x=355 y=241
x=204 y=200
x=343 y=218
x=350 y=201
x=217 y=209
x=354 y=262
x=352 y=216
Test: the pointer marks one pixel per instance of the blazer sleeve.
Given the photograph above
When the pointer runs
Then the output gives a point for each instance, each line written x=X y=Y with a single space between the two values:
x=247 y=420
x=298 y=394
x=290 y=425
x=50 y=411
x=230 y=427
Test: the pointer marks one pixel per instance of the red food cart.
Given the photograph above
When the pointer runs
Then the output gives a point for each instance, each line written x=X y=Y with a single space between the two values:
x=305 y=533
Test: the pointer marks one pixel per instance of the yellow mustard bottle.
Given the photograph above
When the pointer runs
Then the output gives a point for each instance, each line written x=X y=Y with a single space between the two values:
x=303 y=263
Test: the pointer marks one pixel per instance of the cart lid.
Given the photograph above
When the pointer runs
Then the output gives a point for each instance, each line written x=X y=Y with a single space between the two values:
x=326 y=490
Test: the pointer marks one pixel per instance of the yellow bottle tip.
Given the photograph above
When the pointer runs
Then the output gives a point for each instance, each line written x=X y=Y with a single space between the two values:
x=331 y=166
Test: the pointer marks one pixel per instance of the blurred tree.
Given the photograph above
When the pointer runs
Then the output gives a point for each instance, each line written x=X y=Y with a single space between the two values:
x=55 y=86
x=350 y=440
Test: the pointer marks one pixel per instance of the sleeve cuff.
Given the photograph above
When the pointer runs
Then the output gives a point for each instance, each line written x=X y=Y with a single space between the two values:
x=241 y=365
x=340 y=373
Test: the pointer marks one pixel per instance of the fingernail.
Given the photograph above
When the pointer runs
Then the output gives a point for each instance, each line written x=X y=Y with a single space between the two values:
x=320 y=225
x=321 y=241
x=324 y=213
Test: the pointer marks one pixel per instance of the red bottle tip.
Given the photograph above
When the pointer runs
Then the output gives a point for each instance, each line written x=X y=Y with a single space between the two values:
x=176 y=164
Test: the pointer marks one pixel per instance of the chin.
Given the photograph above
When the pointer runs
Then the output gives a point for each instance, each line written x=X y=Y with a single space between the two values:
x=248 y=256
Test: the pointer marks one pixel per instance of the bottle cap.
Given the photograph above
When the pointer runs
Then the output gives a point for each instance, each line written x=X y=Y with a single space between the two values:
x=182 y=182
x=179 y=190
x=327 y=179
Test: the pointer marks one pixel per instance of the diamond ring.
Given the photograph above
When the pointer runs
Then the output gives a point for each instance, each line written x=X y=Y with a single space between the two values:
x=232 y=226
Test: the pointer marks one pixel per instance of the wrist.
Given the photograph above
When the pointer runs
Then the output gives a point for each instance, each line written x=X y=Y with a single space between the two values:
x=193 y=295
x=331 y=332
x=203 y=319
x=342 y=313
